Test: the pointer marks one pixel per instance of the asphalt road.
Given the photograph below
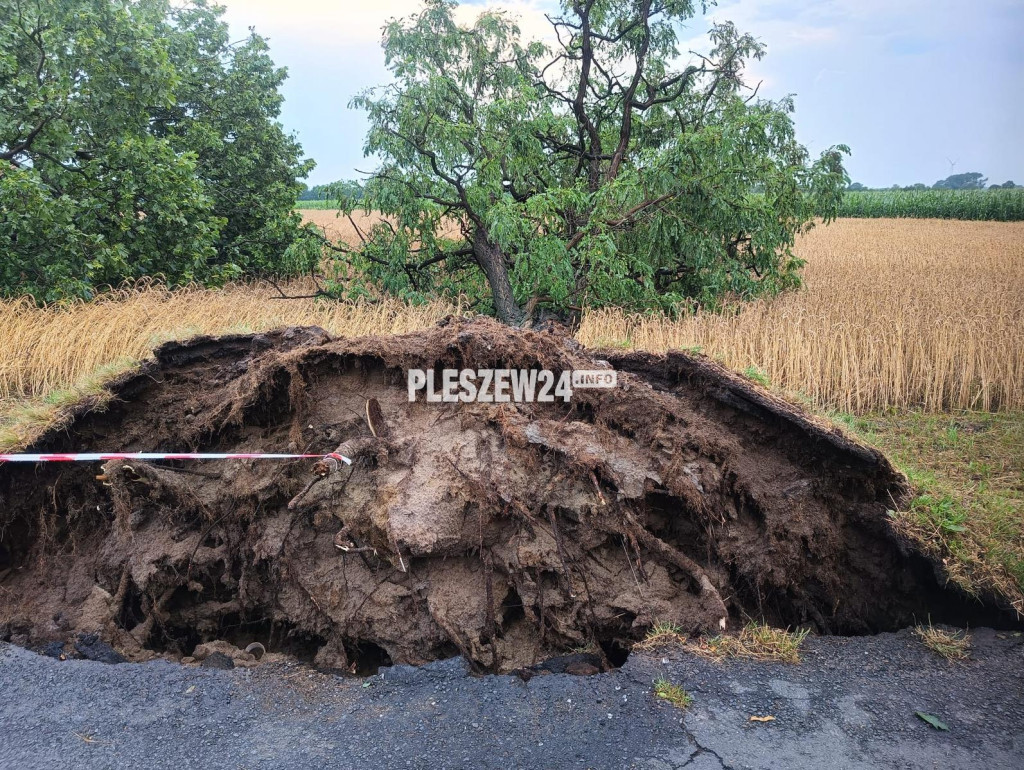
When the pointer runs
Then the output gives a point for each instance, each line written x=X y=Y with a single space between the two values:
x=850 y=704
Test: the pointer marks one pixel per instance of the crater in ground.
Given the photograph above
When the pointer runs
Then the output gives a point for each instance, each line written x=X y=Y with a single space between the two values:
x=508 y=533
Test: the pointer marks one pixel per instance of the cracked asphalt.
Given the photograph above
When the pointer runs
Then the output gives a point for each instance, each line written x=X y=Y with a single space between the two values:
x=850 y=704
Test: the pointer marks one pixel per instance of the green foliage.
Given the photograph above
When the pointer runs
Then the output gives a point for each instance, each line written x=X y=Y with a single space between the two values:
x=592 y=174
x=942 y=511
x=136 y=139
x=1003 y=205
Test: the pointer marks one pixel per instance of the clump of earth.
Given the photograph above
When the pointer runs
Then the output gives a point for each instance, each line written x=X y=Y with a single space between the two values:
x=508 y=533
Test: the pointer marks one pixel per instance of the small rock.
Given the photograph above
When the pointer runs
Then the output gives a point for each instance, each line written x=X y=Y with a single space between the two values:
x=53 y=650
x=218 y=660
x=91 y=647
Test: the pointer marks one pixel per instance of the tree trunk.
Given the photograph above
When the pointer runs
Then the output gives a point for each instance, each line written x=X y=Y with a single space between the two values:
x=492 y=262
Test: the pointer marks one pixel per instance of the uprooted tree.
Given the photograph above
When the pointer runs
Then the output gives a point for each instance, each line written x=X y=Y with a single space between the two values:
x=588 y=172
x=136 y=139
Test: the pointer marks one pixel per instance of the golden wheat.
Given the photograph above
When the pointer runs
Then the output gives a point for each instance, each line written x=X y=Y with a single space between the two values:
x=351 y=229
x=47 y=349
x=895 y=313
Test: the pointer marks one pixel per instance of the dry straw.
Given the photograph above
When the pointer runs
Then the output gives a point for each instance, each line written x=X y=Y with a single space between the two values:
x=42 y=350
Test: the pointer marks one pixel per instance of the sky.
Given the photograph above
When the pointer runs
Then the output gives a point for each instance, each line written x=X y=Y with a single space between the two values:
x=918 y=89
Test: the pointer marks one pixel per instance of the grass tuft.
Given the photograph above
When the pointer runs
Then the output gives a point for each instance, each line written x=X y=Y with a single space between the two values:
x=953 y=645
x=756 y=641
x=672 y=693
x=755 y=374
x=662 y=634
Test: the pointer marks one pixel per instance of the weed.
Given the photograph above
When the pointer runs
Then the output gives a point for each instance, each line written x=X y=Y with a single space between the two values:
x=662 y=634
x=672 y=693
x=757 y=641
x=758 y=376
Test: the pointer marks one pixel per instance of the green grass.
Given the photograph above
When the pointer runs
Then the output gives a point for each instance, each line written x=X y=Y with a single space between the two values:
x=672 y=693
x=758 y=376
x=22 y=421
x=756 y=641
x=967 y=470
x=996 y=205
x=662 y=634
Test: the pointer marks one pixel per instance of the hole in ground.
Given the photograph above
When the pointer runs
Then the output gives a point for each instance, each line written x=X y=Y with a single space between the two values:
x=369 y=658
x=616 y=652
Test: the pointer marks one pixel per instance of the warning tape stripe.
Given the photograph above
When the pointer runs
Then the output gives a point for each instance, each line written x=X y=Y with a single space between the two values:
x=81 y=457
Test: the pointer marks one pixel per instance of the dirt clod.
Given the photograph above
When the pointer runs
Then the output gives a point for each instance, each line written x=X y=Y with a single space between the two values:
x=217 y=660
x=509 y=533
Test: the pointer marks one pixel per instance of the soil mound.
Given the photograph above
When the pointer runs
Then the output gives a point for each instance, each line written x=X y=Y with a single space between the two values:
x=508 y=533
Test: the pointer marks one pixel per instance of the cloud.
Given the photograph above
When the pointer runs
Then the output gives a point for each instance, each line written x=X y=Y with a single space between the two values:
x=904 y=83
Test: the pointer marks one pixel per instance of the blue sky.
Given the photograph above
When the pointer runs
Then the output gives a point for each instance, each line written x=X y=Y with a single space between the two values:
x=916 y=88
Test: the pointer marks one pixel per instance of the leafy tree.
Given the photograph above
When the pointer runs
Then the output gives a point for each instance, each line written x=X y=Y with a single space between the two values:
x=346 y=190
x=971 y=180
x=591 y=173
x=856 y=187
x=1004 y=186
x=136 y=139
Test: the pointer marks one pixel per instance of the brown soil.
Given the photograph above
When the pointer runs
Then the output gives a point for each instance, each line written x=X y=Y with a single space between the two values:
x=506 y=532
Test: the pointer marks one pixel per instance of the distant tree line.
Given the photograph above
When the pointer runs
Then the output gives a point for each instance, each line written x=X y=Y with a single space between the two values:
x=350 y=189
x=971 y=180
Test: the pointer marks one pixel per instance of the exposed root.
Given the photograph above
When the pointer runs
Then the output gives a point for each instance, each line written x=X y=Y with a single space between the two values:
x=508 y=533
x=709 y=594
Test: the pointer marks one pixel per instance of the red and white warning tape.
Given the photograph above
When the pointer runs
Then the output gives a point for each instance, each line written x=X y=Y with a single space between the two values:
x=82 y=457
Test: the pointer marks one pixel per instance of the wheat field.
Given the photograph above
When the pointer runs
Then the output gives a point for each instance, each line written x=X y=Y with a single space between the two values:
x=48 y=349
x=895 y=313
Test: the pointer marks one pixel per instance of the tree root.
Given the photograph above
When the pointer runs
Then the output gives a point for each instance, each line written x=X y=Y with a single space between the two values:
x=354 y=449
x=709 y=594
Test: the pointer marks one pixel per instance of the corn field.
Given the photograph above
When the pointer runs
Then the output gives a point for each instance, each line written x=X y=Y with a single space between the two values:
x=993 y=205
x=317 y=205
x=987 y=205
